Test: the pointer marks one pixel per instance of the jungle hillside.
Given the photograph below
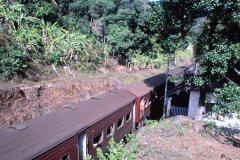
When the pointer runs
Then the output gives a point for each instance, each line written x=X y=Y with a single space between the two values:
x=41 y=39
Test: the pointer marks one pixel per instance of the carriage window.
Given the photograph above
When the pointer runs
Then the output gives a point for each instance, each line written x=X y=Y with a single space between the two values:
x=110 y=129
x=97 y=139
x=128 y=116
x=120 y=122
x=147 y=104
x=65 y=157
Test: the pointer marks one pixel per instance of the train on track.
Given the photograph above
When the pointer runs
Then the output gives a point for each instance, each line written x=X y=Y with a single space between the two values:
x=77 y=130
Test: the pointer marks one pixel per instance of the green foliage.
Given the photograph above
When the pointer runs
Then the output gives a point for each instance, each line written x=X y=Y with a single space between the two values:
x=43 y=8
x=119 y=150
x=189 y=79
x=216 y=40
x=121 y=39
x=198 y=81
x=228 y=98
x=158 y=60
x=28 y=37
x=230 y=143
x=115 y=150
x=151 y=123
x=10 y=13
x=12 y=61
x=210 y=124
x=54 y=58
x=171 y=21
x=88 y=157
x=140 y=59
x=175 y=78
x=46 y=29
x=183 y=55
x=144 y=60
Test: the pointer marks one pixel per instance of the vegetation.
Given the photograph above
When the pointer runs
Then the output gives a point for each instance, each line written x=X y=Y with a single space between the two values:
x=215 y=38
x=78 y=33
x=228 y=99
x=133 y=149
x=118 y=151
x=82 y=34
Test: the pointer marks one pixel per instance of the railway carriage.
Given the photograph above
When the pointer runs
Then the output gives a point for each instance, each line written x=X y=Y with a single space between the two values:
x=143 y=94
x=149 y=94
x=79 y=129
x=70 y=132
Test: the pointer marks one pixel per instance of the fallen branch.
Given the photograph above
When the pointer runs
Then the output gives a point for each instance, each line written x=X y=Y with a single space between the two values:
x=65 y=67
x=55 y=70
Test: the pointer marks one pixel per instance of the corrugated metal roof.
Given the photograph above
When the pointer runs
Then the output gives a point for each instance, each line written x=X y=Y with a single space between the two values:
x=45 y=132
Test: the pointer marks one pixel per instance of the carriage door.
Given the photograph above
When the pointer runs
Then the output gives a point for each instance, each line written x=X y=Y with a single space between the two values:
x=82 y=146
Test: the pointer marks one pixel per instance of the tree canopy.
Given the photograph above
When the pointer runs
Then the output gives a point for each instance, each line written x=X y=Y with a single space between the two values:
x=215 y=36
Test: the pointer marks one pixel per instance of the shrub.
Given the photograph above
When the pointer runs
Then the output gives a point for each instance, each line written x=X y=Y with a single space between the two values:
x=54 y=58
x=12 y=61
x=119 y=150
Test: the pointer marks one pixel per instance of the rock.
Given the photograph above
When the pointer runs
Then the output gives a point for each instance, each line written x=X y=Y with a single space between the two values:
x=39 y=86
x=50 y=85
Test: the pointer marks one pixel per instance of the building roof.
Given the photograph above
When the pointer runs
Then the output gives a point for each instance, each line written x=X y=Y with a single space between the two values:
x=31 y=138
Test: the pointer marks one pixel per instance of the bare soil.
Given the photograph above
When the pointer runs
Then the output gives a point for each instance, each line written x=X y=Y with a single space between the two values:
x=182 y=138
x=21 y=102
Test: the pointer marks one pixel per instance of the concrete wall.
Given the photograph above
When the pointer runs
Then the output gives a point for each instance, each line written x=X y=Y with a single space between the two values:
x=193 y=103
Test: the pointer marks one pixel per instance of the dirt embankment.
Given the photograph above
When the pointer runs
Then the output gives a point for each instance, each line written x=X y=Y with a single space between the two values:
x=26 y=101
x=23 y=102
x=183 y=138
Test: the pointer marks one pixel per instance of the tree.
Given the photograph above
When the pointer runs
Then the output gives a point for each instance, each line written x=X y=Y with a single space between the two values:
x=217 y=44
x=228 y=99
x=171 y=22
x=119 y=24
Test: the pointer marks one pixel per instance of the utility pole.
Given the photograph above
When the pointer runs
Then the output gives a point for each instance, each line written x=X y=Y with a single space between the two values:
x=165 y=94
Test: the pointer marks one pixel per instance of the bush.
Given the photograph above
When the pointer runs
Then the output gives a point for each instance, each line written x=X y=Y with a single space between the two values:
x=54 y=58
x=12 y=61
x=183 y=55
x=119 y=150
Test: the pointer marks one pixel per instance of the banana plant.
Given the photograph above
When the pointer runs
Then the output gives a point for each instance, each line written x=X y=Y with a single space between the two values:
x=140 y=59
x=75 y=42
x=50 y=34
x=10 y=12
x=158 y=61
x=32 y=37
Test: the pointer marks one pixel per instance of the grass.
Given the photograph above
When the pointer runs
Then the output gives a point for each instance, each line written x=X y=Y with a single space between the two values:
x=210 y=124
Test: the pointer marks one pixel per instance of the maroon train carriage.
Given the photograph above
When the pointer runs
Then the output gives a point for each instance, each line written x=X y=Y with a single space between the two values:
x=149 y=91
x=71 y=132
x=142 y=93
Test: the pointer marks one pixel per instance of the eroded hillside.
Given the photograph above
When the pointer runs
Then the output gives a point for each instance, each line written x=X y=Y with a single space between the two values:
x=23 y=102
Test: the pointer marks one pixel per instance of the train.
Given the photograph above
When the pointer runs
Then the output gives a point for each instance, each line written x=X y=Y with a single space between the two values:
x=77 y=130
